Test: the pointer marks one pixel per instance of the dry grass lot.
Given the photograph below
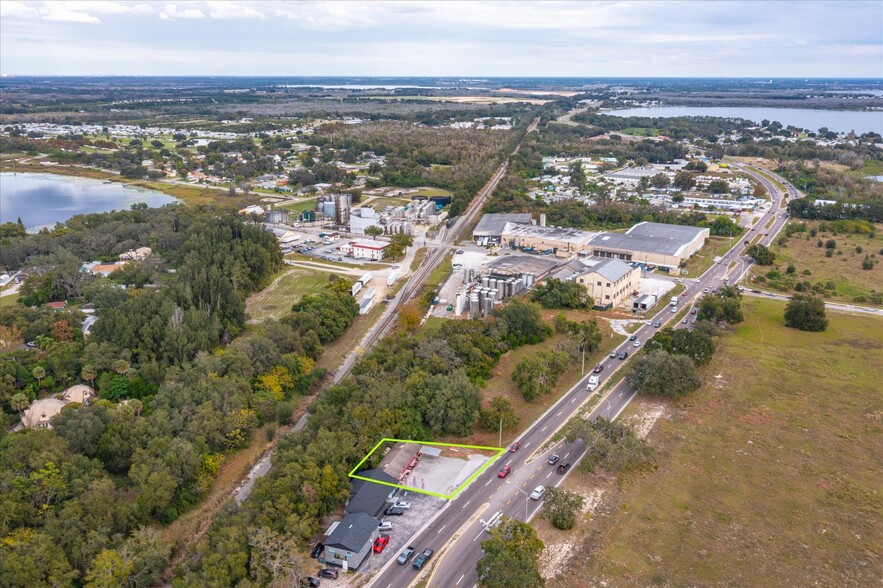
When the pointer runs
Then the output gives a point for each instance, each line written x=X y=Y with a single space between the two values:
x=843 y=268
x=768 y=476
x=704 y=258
x=276 y=300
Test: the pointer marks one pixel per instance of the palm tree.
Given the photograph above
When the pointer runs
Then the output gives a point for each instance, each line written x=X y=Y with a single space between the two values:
x=19 y=402
x=39 y=373
x=88 y=374
x=121 y=366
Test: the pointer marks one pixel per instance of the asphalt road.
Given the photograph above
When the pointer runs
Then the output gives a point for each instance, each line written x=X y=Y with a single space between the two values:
x=456 y=531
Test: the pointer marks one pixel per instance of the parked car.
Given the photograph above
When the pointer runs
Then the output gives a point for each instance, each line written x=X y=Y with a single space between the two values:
x=317 y=550
x=693 y=311
x=514 y=447
x=623 y=355
x=504 y=472
x=384 y=526
x=380 y=543
x=394 y=511
x=598 y=368
x=553 y=459
x=329 y=573
x=404 y=556
x=309 y=582
x=459 y=251
x=562 y=469
x=537 y=493
x=684 y=321
x=421 y=559
x=401 y=504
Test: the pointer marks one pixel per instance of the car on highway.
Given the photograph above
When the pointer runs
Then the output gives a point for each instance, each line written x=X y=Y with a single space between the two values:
x=394 y=511
x=404 y=556
x=657 y=324
x=613 y=353
x=633 y=337
x=553 y=459
x=562 y=469
x=381 y=543
x=598 y=368
x=329 y=573
x=674 y=310
x=636 y=343
x=504 y=472
x=537 y=493
x=623 y=355
x=514 y=447
x=317 y=550
x=684 y=293
x=421 y=559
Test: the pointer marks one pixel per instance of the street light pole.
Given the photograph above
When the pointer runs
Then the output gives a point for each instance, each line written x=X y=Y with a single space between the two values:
x=501 y=433
x=526 y=496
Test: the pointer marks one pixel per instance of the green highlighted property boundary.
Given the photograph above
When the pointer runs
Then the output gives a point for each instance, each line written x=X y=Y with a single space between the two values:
x=499 y=451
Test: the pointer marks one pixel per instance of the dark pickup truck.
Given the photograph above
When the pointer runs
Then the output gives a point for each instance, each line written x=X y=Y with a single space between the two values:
x=562 y=469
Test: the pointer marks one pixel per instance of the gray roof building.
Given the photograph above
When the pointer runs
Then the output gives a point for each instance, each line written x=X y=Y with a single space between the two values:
x=492 y=225
x=367 y=497
x=353 y=532
x=656 y=238
x=611 y=269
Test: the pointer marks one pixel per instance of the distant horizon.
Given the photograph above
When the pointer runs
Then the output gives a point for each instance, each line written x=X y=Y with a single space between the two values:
x=441 y=77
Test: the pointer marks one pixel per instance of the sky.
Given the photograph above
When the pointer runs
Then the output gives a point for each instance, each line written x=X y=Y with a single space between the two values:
x=426 y=38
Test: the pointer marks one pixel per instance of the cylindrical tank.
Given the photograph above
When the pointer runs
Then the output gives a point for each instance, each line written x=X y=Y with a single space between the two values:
x=484 y=282
x=458 y=304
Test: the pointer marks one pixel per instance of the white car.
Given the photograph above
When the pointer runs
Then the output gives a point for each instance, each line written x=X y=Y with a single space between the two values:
x=403 y=505
x=637 y=343
x=537 y=493
x=674 y=309
x=384 y=526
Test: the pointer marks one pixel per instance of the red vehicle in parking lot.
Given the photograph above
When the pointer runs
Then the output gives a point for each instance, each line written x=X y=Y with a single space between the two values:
x=504 y=472
x=381 y=543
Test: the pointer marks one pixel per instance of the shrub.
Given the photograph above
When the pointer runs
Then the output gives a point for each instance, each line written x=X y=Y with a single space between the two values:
x=806 y=313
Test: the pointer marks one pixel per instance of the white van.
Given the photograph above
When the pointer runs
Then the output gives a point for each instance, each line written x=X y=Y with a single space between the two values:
x=593 y=383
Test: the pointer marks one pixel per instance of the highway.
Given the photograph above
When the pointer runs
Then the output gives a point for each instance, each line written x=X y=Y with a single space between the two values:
x=456 y=532
x=436 y=254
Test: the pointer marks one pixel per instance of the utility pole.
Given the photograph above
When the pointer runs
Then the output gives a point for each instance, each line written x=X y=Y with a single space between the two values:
x=501 y=432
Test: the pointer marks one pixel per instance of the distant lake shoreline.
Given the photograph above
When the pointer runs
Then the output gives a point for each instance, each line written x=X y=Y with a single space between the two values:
x=841 y=121
x=44 y=199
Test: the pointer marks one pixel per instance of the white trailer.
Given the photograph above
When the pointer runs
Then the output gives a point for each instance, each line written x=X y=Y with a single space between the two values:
x=355 y=289
x=393 y=276
x=365 y=279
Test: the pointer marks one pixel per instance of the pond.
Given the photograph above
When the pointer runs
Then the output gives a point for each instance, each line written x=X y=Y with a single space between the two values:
x=41 y=200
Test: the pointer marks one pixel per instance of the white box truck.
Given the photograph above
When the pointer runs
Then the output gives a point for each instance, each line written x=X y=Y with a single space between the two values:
x=593 y=383
x=674 y=301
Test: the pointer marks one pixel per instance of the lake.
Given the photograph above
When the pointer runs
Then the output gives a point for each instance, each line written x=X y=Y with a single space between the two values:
x=841 y=121
x=41 y=200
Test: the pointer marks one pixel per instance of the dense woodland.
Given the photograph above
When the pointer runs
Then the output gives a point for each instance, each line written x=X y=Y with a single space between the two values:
x=181 y=384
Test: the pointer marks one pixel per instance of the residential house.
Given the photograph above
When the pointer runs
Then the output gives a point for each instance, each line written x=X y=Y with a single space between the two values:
x=350 y=541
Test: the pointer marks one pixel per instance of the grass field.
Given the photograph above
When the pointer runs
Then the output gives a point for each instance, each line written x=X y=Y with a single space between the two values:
x=843 y=268
x=9 y=300
x=704 y=258
x=768 y=476
x=276 y=299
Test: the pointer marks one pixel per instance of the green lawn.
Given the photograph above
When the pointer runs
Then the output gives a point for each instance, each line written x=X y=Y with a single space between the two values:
x=704 y=258
x=276 y=299
x=299 y=206
x=9 y=300
x=768 y=476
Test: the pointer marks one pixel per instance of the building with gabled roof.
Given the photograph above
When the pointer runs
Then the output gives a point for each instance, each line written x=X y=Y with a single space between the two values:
x=609 y=282
x=349 y=542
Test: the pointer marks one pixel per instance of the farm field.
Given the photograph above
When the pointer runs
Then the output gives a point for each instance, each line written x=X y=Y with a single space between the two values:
x=276 y=299
x=768 y=476
x=843 y=270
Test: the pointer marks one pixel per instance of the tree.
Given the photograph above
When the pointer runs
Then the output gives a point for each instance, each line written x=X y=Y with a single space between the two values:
x=718 y=187
x=612 y=446
x=10 y=338
x=537 y=375
x=660 y=181
x=761 y=254
x=121 y=366
x=39 y=373
x=454 y=402
x=409 y=317
x=511 y=557
x=561 y=507
x=584 y=336
x=523 y=323
x=19 y=402
x=398 y=243
x=498 y=409
x=644 y=183
x=806 y=312
x=725 y=306
x=696 y=165
x=695 y=344
x=373 y=231
x=555 y=293
x=109 y=570
x=89 y=373
x=659 y=373
x=280 y=555
x=684 y=180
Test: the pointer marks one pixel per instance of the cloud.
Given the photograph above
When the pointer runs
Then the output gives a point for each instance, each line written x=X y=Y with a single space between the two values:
x=59 y=13
x=12 y=8
x=327 y=16
x=226 y=10
x=171 y=12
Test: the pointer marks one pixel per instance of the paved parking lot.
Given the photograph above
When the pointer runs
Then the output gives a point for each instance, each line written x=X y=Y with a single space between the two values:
x=423 y=508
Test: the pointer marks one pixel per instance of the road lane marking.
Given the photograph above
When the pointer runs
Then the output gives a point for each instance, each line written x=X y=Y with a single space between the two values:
x=526 y=445
x=489 y=481
x=565 y=455
x=508 y=462
x=509 y=501
x=549 y=474
x=440 y=530
x=461 y=579
x=544 y=428
x=532 y=476
x=443 y=550
x=468 y=501
x=559 y=414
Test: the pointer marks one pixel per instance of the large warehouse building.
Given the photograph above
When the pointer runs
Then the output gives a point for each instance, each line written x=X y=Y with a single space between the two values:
x=656 y=244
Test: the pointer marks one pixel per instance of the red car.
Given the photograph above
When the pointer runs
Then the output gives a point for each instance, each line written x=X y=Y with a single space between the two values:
x=381 y=543
x=598 y=368
x=504 y=472
x=684 y=293
x=514 y=447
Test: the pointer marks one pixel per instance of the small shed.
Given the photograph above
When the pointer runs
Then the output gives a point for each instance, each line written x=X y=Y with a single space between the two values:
x=429 y=451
